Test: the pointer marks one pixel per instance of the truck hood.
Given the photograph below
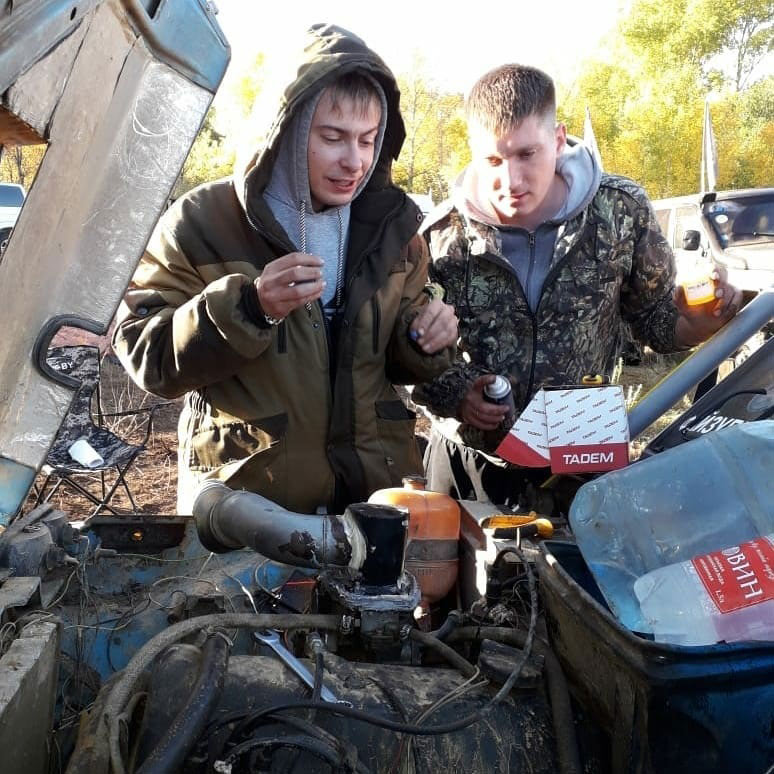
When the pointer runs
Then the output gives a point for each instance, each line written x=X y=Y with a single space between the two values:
x=756 y=256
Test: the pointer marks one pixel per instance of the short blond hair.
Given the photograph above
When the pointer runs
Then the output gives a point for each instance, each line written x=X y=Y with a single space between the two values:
x=505 y=96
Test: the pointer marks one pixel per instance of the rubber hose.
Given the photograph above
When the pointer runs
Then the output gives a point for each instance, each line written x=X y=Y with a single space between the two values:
x=453 y=620
x=319 y=670
x=458 y=662
x=124 y=686
x=559 y=695
x=178 y=740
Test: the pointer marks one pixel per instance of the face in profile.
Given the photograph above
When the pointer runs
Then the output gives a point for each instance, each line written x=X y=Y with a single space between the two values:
x=516 y=168
x=341 y=148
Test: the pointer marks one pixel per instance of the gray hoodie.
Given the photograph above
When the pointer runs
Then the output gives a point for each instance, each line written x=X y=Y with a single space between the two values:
x=530 y=252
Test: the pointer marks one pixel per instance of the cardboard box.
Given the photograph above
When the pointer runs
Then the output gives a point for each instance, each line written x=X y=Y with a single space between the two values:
x=574 y=430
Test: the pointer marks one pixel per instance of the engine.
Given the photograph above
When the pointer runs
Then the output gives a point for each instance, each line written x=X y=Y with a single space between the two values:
x=178 y=647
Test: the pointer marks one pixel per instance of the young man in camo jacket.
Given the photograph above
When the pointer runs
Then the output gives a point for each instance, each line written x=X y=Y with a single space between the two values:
x=544 y=258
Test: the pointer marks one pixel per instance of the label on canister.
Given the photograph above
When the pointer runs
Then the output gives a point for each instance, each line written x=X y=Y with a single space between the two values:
x=738 y=576
x=700 y=290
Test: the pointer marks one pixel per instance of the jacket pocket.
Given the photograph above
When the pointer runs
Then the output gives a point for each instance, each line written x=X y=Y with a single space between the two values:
x=212 y=444
x=395 y=425
x=246 y=455
x=590 y=287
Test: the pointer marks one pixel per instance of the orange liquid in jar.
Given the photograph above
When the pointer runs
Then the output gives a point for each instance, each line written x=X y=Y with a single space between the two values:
x=699 y=288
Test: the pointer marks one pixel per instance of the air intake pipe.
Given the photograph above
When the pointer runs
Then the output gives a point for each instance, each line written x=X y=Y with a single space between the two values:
x=367 y=538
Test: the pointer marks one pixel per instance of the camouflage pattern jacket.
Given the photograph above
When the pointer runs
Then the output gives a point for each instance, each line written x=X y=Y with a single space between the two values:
x=610 y=265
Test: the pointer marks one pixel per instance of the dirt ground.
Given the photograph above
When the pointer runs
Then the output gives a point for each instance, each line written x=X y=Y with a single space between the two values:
x=153 y=477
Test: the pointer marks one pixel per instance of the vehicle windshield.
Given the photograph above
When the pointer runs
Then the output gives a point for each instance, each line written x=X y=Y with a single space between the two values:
x=745 y=220
x=11 y=196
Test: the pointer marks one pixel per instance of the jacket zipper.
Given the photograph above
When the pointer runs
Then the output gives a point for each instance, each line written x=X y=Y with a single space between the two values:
x=377 y=315
x=533 y=316
x=531 y=240
x=369 y=248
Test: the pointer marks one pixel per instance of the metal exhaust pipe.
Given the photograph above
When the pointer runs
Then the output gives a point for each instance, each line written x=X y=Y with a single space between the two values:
x=227 y=520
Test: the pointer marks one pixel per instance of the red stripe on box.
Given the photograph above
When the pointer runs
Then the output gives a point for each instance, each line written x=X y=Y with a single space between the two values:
x=519 y=453
x=588 y=458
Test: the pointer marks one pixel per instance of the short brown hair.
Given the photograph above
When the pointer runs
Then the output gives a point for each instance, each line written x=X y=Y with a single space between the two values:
x=505 y=96
x=354 y=86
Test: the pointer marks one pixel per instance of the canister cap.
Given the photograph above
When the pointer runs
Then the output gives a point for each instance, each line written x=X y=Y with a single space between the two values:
x=414 y=482
x=499 y=388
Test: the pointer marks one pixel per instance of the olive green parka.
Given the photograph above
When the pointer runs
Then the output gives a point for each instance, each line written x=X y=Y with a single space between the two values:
x=305 y=417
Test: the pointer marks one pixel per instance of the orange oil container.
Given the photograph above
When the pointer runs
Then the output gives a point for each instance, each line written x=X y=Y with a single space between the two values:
x=432 y=550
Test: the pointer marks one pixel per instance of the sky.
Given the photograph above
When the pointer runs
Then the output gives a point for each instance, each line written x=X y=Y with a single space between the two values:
x=457 y=41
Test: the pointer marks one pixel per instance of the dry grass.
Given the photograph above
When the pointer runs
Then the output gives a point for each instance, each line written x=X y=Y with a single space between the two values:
x=639 y=379
x=152 y=478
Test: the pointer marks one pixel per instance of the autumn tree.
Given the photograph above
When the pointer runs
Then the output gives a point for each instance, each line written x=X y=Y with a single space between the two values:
x=703 y=32
x=215 y=149
x=19 y=163
x=647 y=94
x=209 y=158
x=435 y=149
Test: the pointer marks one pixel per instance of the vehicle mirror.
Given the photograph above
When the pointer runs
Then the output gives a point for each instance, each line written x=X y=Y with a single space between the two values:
x=691 y=239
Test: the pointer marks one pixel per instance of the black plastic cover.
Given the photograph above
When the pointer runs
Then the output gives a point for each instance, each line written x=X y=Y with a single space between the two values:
x=745 y=395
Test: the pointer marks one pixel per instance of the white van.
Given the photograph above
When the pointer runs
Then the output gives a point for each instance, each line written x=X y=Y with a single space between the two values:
x=733 y=228
x=11 y=201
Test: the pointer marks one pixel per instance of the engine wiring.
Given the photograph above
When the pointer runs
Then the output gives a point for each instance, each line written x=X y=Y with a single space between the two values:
x=241 y=743
x=91 y=615
x=248 y=737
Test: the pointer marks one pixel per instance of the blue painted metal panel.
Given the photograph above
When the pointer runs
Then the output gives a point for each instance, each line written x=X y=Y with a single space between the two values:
x=15 y=481
x=185 y=36
x=131 y=595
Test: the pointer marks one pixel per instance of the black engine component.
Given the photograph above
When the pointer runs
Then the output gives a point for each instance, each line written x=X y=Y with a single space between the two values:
x=515 y=737
x=745 y=395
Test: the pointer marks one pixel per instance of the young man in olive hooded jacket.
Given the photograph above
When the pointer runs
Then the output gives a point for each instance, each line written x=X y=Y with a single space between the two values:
x=286 y=301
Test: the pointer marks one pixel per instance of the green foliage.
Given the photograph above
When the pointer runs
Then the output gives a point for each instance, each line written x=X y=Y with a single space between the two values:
x=647 y=99
x=19 y=163
x=646 y=93
x=210 y=158
x=435 y=149
x=214 y=151
x=670 y=32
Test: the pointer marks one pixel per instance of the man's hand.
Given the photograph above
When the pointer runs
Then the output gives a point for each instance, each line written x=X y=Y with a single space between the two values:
x=695 y=325
x=474 y=410
x=435 y=327
x=288 y=282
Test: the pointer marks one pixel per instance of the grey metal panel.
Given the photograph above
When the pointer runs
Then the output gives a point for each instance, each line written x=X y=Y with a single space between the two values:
x=31 y=28
x=28 y=676
x=118 y=139
x=35 y=94
x=17 y=592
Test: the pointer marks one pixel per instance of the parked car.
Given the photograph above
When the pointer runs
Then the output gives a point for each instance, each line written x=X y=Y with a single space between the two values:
x=423 y=201
x=733 y=228
x=11 y=201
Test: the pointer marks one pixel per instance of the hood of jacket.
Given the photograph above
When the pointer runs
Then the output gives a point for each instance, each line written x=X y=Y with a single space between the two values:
x=329 y=52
